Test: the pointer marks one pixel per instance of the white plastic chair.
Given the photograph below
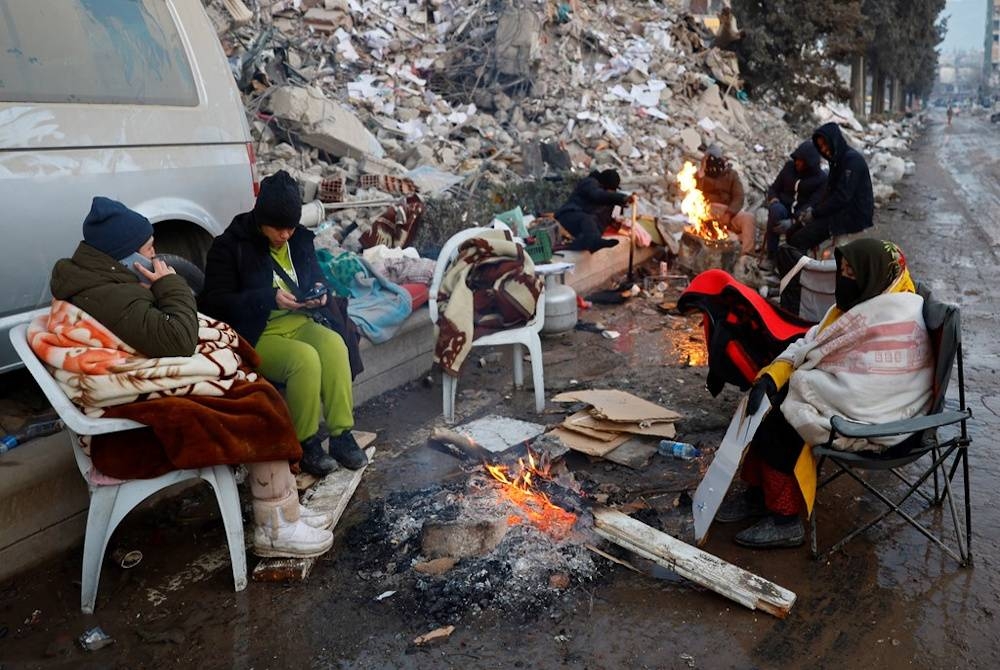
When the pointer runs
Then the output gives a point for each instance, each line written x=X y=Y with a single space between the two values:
x=522 y=336
x=110 y=503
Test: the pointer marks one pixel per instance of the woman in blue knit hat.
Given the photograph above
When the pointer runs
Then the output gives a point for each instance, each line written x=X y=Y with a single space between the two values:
x=115 y=277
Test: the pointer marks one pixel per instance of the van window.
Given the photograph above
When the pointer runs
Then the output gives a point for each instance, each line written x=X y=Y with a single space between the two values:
x=93 y=51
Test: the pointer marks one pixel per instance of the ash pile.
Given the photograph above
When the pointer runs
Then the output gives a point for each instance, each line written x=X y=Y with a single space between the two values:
x=456 y=551
x=458 y=98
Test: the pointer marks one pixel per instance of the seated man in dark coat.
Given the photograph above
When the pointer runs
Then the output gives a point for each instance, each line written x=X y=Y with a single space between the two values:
x=796 y=188
x=589 y=210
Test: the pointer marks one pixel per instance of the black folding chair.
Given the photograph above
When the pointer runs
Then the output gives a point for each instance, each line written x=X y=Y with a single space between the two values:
x=939 y=459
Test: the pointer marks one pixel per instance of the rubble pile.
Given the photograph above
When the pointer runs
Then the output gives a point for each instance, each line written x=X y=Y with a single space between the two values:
x=464 y=97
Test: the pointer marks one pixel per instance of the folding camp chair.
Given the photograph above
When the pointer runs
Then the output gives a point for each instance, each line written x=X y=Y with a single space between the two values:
x=939 y=460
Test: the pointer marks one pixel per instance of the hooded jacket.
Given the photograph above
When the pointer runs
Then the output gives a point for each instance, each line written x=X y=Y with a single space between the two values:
x=239 y=281
x=848 y=200
x=726 y=189
x=591 y=198
x=796 y=190
x=157 y=321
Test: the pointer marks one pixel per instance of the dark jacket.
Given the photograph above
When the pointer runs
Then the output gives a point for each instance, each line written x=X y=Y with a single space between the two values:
x=590 y=197
x=848 y=200
x=796 y=190
x=239 y=282
x=157 y=321
x=726 y=189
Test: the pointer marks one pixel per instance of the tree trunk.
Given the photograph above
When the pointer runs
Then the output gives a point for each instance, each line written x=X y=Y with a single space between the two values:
x=878 y=91
x=858 y=86
x=897 y=95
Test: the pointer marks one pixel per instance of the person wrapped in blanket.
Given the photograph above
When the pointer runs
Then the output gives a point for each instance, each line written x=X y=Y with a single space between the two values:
x=124 y=340
x=868 y=360
x=258 y=276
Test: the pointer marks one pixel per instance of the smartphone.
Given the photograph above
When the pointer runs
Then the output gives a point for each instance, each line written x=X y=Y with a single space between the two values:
x=130 y=261
x=315 y=293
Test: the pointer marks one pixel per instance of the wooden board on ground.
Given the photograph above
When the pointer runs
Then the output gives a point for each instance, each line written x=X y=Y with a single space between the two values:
x=719 y=476
x=331 y=495
x=660 y=429
x=692 y=563
x=634 y=453
x=304 y=480
x=615 y=405
x=586 y=445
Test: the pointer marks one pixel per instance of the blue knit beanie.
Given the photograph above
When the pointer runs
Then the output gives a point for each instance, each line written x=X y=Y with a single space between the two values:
x=279 y=203
x=115 y=229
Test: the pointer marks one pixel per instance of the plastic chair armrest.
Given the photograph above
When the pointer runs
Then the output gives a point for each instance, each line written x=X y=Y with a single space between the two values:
x=848 y=428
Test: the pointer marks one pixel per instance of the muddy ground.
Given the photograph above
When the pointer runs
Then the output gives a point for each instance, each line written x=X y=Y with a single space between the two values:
x=889 y=600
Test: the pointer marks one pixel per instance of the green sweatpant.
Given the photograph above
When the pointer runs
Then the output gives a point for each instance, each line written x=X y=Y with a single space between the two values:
x=311 y=361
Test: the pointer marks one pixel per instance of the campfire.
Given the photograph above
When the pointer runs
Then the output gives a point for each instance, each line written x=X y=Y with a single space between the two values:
x=520 y=486
x=697 y=209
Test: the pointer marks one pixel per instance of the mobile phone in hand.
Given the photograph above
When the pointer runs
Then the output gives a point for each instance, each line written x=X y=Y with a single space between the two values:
x=130 y=261
x=315 y=293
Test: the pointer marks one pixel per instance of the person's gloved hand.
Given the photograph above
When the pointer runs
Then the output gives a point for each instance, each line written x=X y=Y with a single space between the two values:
x=806 y=216
x=764 y=386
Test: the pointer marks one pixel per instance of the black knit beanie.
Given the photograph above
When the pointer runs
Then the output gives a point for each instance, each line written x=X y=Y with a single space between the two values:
x=609 y=179
x=279 y=204
x=114 y=229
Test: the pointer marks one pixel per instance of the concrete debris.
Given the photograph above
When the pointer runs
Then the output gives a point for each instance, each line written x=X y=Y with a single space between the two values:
x=483 y=94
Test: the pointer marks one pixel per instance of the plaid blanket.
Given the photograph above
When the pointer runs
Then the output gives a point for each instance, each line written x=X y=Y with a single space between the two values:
x=490 y=286
x=207 y=409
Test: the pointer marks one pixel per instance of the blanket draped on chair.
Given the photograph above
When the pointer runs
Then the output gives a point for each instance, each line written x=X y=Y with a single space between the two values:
x=490 y=286
x=207 y=409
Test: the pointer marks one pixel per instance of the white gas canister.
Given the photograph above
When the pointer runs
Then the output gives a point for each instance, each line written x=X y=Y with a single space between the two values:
x=560 y=305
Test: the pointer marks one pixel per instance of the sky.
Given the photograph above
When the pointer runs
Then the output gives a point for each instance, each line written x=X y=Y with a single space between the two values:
x=966 y=25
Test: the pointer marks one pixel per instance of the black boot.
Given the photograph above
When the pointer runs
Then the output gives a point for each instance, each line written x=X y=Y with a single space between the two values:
x=345 y=449
x=314 y=459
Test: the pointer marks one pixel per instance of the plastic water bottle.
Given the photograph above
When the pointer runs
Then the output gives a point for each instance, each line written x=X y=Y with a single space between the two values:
x=30 y=432
x=682 y=450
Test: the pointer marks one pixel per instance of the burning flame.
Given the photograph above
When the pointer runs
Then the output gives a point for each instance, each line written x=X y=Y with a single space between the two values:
x=519 y=488
x=697 y=209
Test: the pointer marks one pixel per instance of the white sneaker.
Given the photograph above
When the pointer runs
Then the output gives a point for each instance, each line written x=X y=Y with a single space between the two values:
x=315 y=518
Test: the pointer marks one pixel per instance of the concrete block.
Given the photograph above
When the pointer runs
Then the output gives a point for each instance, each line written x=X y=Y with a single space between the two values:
x=43 y=503
x=461 y=538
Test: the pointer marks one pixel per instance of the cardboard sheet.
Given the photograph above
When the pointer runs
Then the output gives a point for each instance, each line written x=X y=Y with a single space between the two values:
x=712 y=489
x=661 y=429
x=587 y=445
x=615 y=405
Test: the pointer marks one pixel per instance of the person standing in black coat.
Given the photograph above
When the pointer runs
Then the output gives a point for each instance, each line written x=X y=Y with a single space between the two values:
x=797 y=187
x=256 y=276
x=589 y=210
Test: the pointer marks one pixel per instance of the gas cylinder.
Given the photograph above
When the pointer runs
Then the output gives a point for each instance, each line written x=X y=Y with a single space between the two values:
x=560 y=306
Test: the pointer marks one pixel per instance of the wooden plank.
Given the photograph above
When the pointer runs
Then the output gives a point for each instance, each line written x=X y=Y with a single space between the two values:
x=692 y=563
x=635 y=453
x=331 y=495
x=584 y=444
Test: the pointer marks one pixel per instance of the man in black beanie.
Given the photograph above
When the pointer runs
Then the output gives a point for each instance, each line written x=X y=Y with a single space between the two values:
x=589 y=210
x=259 y=278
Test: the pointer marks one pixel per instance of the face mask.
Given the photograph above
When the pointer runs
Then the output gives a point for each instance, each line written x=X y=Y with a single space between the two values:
x=847 y=293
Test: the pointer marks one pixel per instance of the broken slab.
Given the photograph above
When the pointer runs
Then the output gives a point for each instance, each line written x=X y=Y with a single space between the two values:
x=324 y=123
x=499 y=433
x=461 y=538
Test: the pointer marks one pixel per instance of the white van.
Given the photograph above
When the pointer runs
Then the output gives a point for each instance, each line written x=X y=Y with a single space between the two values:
x=130 y=99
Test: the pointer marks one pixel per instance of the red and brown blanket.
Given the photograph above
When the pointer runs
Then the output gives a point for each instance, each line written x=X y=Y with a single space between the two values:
x=490 y=286
x=207 y=409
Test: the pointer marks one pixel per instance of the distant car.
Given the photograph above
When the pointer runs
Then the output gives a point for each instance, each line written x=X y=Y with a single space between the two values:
x=131 y=100
x=995 y=117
